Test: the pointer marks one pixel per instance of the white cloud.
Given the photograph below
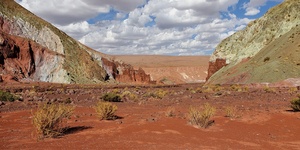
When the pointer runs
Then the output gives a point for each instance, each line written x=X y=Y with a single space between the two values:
x=64 y=12
x=253 y=6
x=178 y=27
x=251 y=11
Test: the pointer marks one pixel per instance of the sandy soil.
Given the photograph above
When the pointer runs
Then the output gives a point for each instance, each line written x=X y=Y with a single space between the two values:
x=264 y=119
x=170 y=69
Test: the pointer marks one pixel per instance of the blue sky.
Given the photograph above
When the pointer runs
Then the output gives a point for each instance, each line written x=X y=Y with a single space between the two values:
x=162 y=27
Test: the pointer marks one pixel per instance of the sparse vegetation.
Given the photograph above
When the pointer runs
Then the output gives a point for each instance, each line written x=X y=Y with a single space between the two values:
x=295 y=104
x=157 y=94
x=111 y=97
x=106 y=110
x=269 y=90
x=170 y=112
x=6 y=96
x=129 y=95
x=48 y=119
x=200 y=117
x=231 y=112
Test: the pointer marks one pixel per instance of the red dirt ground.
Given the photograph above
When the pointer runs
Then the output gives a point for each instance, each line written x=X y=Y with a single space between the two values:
x=265 y=120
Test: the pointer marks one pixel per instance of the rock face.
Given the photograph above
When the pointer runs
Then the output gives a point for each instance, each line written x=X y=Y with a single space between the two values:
x=33 y=49
x=124 y=72
x=267 y=50
x=215 y=66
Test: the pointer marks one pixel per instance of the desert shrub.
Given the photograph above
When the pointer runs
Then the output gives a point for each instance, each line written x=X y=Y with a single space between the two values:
x=106 y=110
x=269 y=90
x=128 y=95
x=293 y=89
x=202 y=117
x=159 y=94
x=231 y=112
x=170 y=112
x=295 y=104
x=48 y=119
x=67 y=100
x=6 y=96
x=111 y=97
x=213 y=88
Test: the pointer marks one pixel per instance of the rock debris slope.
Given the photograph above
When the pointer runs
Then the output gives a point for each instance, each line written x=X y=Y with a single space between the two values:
x=267 y=50
x=32 y=49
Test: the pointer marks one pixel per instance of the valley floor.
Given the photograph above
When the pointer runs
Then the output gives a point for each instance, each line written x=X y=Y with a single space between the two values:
x=263 y=118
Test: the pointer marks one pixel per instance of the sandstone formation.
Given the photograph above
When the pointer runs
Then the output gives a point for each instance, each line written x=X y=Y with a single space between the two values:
x=267 y=50
x=33 y=49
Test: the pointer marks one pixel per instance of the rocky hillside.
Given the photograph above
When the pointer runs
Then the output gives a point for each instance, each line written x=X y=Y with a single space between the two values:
x=32 y=49
x=267 y=50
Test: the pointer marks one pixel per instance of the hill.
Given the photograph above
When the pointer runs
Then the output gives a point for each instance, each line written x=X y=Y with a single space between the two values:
x=58 y=58
x=267 y=50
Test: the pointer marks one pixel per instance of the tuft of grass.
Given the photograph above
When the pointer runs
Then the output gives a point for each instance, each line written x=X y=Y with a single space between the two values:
x=295 y=104
x=106 y=110
x=160 y=94
x=129 y=95
x=202 y=117
x=6 y=96
x=231 y=112
x=48 y=119
x=111 y=97
x=170 y=112
x=269 y=89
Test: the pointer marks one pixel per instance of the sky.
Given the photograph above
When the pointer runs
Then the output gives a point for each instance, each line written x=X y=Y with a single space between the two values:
x=152 y=27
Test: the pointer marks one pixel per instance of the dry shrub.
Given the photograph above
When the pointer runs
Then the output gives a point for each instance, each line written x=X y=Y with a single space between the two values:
x=159 y=94
x=269 y=90
x=231 y=112
x=106 y=110
x=201 y=118
x=129 y=95
x=293 y=89
x=295 y=104
x=112 y=97
x=49 y=119
x=170 y=112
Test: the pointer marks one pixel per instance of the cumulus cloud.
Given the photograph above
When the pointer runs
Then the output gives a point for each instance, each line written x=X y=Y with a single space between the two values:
x=253 y=6
x=172 y=27
x=64 y=12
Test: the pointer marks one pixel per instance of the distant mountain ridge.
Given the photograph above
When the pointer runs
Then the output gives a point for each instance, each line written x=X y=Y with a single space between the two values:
x=267 y=50
x=52 y=56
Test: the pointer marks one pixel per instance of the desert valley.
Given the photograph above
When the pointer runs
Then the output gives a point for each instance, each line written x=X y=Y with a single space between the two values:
x=56 y=93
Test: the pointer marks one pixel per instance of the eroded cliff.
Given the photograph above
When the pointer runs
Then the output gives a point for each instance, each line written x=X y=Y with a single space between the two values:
x=53 y=55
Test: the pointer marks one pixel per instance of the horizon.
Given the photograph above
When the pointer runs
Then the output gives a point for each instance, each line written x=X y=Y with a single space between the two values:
x=150 y=27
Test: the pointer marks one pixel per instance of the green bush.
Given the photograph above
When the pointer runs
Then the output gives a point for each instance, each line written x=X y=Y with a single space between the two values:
x=111 y=97
x=48 y=119
x=6 y=96
x=106 y=110
x=295 y=104
x=201 y=118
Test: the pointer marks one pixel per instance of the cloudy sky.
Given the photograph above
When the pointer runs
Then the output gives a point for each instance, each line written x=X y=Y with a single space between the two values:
x=166 y=27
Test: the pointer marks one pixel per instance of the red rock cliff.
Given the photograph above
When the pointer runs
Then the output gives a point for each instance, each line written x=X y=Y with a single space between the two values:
x=19 y=57
x=125 y=73
x=215 y=66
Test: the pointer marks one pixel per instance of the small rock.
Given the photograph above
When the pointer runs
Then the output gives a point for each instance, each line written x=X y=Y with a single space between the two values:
x=2 y=103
